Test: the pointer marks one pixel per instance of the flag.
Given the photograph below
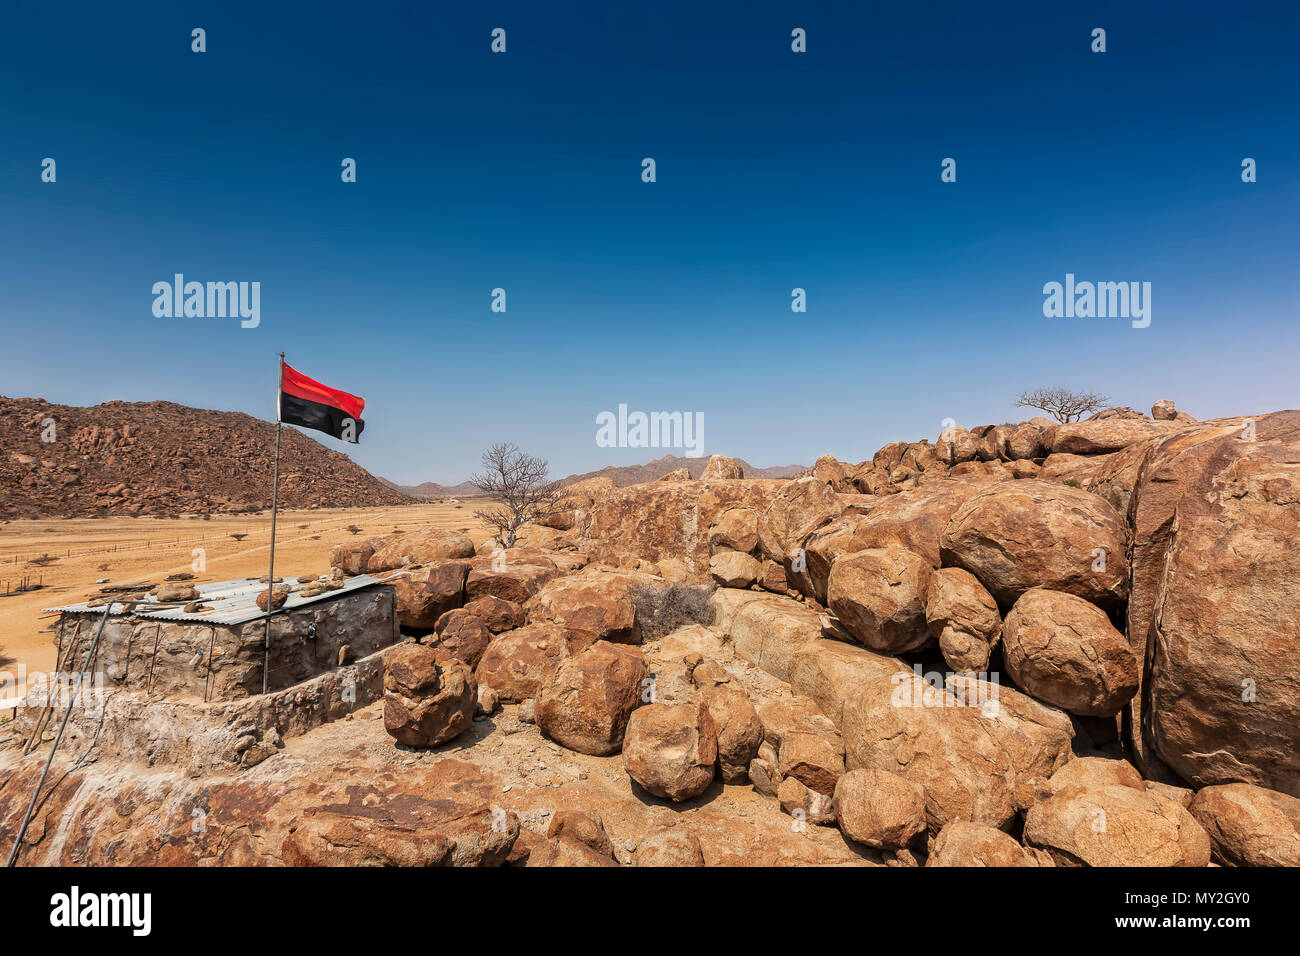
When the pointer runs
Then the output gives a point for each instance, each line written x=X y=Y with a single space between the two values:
x=306 y=402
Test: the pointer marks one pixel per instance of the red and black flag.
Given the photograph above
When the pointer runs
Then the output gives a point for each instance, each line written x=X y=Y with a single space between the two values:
x=306 y=402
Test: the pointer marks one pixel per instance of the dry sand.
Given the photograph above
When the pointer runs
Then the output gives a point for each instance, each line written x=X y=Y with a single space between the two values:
x=134 y=550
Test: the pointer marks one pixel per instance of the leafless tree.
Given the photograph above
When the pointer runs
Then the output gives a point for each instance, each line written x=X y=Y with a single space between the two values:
x=1061 y=403
x=518 y=484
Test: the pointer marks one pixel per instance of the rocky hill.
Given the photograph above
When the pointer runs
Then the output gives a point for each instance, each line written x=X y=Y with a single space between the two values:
x=159 y=458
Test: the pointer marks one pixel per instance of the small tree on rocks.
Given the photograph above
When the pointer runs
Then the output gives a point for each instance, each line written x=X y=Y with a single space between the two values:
x=1061 y=403
x=520 y=486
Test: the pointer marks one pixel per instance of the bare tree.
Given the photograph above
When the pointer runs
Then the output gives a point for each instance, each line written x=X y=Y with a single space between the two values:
x=1061 y=403
x=519 y=485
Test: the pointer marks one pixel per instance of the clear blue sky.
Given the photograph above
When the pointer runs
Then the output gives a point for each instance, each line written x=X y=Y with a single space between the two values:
x=775 y=170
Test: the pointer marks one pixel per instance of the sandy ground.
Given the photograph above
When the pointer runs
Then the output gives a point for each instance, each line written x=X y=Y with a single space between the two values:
x=133 y=550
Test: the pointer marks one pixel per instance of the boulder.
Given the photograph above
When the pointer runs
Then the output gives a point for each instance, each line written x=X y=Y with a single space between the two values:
x=1249 y=825
x=586 y=702
x=1096 y=772
x=765 y=629
x=1025 y=442
x=1026 y=534
x=734 y=569
x=1102 y=436
x=518 y=662
x=426 y=546
x=1115 y=825
x=677 y=474
x=739 y=730
x=669 y=846
x=720 y=467
x=1216 y=518
x=585 y=828
x=977 y=750
x=735 y=530
x=461 y=635
x=428 y=700
x=962 y=843
x=352 y=556
x=1164 y=411
x=804 y=804
x=879 y=597
x=278 y=595
x=179 y=592
x=1064 y=651
x=426 y=594
x=800 y=507
x=772 y=577
x=956 y=445
x=782 y=716
x=517 y=579
x=879 y=809
x=831 y=472
x=497 y=614
x=590 y=601
x=671 y=749
x=963 y=617
x=815 y=760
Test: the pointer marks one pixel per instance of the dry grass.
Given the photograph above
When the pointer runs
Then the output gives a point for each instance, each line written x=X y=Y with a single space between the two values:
x=127 y=550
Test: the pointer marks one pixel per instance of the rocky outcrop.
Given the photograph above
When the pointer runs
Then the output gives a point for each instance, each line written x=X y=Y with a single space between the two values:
x=655 y=521
x=1214 y=606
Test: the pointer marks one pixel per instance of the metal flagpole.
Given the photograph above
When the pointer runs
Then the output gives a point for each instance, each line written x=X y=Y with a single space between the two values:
x=275 y=504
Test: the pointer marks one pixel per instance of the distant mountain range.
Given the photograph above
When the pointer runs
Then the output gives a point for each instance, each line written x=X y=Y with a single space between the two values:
x=621 y=475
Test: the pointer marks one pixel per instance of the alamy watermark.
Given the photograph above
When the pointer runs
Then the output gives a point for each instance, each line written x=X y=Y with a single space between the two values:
x=626 y=429
x=210 y=300
x=1102 y=300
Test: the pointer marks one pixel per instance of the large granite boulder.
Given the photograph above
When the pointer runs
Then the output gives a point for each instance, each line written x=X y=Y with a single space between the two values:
x=1018 y=535
x=1064 y=651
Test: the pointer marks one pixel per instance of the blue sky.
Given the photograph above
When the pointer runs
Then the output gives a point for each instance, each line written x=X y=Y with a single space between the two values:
x=775 y=170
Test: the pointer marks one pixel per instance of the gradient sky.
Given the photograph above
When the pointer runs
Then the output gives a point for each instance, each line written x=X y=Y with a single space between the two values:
x=775 y=170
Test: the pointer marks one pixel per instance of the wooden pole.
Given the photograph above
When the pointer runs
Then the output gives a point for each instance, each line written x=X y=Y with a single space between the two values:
x=275 y=504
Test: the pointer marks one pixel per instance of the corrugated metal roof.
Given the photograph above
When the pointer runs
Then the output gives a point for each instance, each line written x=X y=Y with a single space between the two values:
x=232 y=602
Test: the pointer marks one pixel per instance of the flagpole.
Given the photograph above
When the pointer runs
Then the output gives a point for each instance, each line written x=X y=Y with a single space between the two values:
x=275 y=505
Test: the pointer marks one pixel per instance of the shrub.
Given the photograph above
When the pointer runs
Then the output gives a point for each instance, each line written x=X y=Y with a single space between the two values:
x=662 y=610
